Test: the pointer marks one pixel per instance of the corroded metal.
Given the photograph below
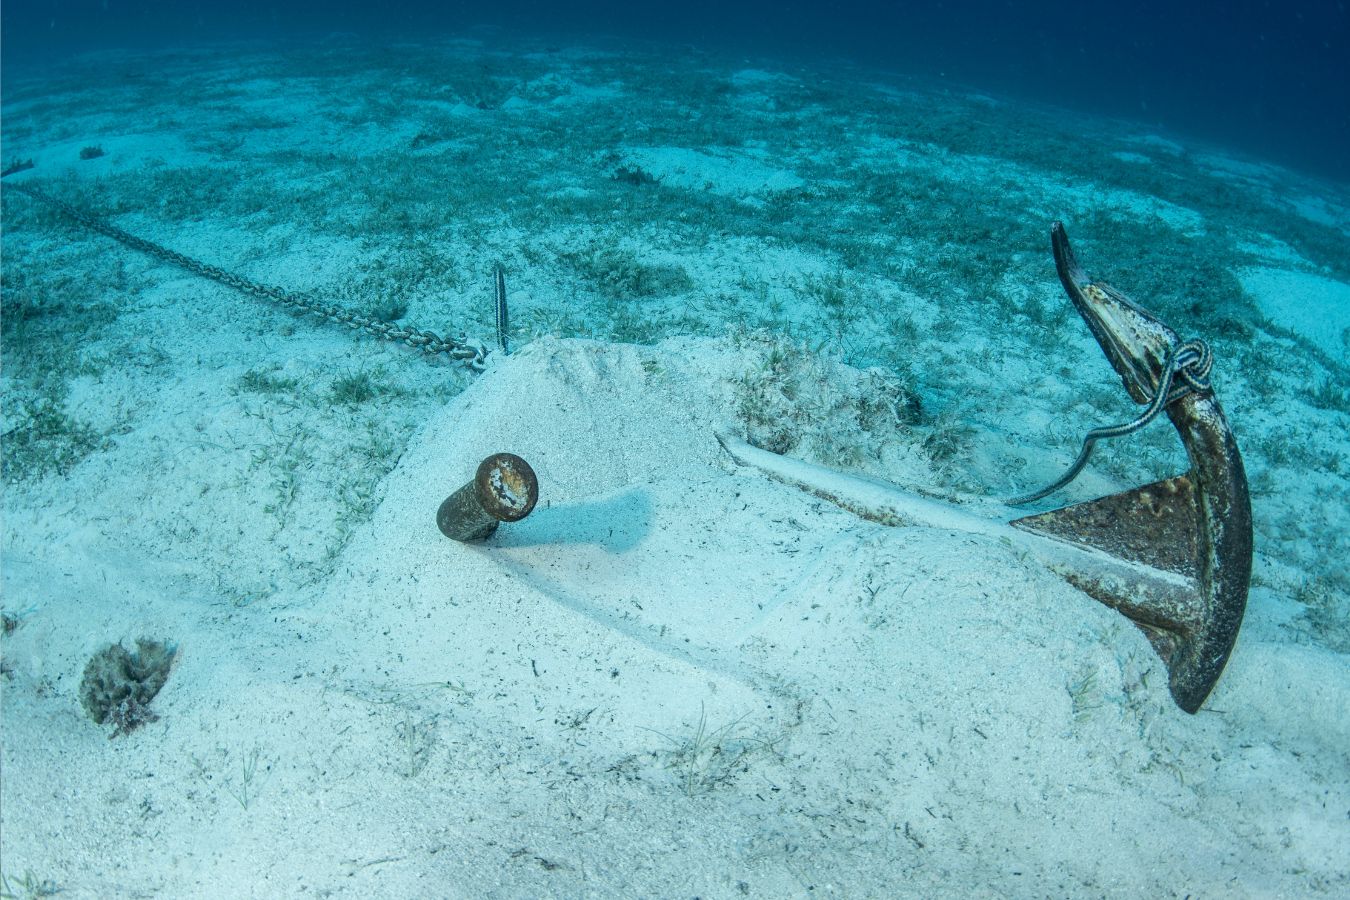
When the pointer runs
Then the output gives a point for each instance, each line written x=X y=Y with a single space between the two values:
x=1150 y=525
x=503 y=315
x=1174 y=556
x=1198 y=525
x=504 y=489
x=464 y=349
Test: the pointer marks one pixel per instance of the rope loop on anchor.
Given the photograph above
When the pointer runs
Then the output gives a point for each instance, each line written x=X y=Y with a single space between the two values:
x=1191 y=363
x=1185 y=371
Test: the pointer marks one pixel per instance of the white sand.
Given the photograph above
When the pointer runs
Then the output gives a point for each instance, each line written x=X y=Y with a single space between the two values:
x=1311 y=306
x=676 y=678
x=883 y=706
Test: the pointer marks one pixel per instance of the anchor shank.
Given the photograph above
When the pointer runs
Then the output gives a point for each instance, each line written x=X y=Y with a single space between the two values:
x=1128 y=585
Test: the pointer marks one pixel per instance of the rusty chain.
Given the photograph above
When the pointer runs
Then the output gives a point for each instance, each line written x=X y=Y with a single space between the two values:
x=470 y=352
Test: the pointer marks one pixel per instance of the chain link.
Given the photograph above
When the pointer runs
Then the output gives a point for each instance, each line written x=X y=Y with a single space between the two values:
x=470 y=352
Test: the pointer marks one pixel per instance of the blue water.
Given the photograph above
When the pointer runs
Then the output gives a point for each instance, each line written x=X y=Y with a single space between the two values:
x=1269 y=79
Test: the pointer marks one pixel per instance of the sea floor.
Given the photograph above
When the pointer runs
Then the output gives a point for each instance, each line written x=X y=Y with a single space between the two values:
x=676 y=677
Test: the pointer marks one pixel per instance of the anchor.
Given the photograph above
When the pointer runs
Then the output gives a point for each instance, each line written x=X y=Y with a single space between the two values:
x=1174 y=556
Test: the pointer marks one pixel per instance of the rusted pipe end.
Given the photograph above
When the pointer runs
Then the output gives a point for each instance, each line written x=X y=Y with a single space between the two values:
x=504 y=489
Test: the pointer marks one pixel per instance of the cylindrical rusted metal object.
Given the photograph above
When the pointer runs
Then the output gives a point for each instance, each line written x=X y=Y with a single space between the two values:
x=503 y=490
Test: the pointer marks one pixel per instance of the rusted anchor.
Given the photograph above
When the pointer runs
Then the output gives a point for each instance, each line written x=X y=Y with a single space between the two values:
x=1197 y=525
x=1174 y=556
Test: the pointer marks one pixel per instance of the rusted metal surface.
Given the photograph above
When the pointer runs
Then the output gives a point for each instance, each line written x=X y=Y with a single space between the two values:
x=1174 y=556
x=504 y=489
x=1198 y=525
x=464 y=349
x=1150 y=524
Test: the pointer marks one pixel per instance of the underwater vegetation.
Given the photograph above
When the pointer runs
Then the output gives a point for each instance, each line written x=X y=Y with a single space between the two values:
x=118 y=684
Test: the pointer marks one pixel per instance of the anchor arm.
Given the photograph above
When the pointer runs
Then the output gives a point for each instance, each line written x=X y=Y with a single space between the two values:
x=1134 y=341
x=1224 y=546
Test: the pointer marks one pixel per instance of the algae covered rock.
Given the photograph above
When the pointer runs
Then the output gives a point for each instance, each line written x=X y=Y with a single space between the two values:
x=118 y=684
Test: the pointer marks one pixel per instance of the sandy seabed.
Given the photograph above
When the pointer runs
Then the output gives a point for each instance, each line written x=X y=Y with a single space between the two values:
x=677 y=677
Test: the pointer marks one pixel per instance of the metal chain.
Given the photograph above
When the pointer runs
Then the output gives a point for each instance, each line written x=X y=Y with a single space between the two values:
x=1185 y=370
x=464 y=349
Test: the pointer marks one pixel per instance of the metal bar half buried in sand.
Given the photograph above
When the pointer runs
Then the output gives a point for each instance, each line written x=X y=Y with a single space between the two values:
x=503 y=489
x=1174 y=556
